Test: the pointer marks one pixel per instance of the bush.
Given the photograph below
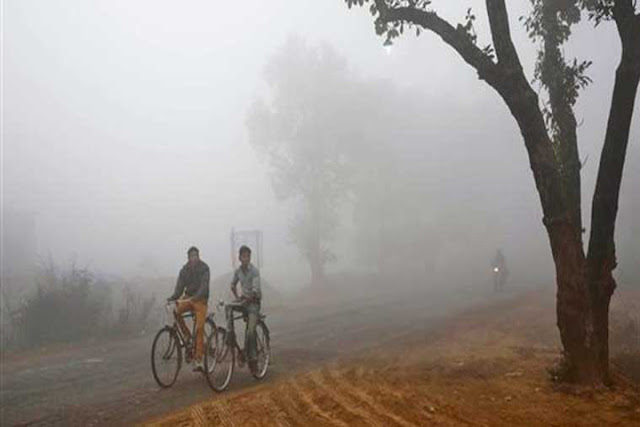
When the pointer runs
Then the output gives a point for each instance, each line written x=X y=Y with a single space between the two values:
x=133 y=315
x=73 y=305
x=65 y=307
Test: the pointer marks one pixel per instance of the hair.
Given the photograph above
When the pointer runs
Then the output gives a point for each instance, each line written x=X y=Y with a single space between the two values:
x=193 y=249
x=244 y=249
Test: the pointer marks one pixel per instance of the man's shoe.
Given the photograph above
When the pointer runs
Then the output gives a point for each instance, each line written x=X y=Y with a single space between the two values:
x=253 y=366
x=198 y=367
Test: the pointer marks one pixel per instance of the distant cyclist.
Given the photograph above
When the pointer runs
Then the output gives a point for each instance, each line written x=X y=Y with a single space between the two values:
x=500 y=271
x=193 y=281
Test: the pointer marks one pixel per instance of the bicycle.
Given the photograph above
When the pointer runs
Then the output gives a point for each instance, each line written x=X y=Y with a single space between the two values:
x=169 y=344
x=499 y=278
x=222 y=349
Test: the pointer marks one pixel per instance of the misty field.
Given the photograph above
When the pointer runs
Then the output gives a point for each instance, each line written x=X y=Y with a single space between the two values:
x=435 y=203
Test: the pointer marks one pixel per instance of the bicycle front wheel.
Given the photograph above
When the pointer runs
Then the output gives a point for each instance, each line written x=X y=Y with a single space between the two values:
x=263 y=350
x=210 y=343
x=166 y=357
x=219 y=360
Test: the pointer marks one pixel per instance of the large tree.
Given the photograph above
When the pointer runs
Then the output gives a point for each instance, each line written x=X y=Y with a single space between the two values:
x=585 y=282
x=300 y=128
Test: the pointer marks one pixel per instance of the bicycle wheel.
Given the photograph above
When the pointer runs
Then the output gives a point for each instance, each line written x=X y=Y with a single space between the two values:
x=263 y=349
x=210 y=346
x=209 y=328
x=219 y=360
x=166 y=357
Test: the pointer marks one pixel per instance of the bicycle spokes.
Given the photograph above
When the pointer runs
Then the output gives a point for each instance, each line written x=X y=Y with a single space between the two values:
x=165 y=357
x=219 y=368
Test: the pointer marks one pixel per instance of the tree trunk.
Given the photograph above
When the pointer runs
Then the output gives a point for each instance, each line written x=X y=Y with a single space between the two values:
x=317 y=273
x=601 y=257
x=585 y=286
x=316 y=259
x=574 y=315
x=575 y=304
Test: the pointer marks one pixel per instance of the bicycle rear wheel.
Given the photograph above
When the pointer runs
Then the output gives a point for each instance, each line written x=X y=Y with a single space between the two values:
x=219 y=360
x=166 y=357
x=263 y=350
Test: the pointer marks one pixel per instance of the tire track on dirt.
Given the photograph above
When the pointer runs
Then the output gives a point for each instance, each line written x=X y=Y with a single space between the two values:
x=334 y=404
x=198 y=416
x=357 y=396
x=269 y=406
x=221 y=414
x=307 y=399
x=382 y=395
x=397 y=399
x=296 y=408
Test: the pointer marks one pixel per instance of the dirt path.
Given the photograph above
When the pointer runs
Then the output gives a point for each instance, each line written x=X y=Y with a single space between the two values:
x=111 y=383
x=475 y=370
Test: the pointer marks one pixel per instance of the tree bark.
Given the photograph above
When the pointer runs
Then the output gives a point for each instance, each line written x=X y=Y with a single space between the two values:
x=601 y=256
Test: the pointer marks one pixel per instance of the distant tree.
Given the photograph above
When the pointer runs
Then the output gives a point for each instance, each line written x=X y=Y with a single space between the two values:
x=300 y=129
x=394 y=213
x=584 y=280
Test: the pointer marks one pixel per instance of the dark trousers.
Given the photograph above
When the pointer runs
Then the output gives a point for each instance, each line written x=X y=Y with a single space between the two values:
x=251 y=311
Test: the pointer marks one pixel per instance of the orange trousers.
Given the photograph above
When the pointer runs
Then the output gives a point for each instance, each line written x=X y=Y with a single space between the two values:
x=199 y=308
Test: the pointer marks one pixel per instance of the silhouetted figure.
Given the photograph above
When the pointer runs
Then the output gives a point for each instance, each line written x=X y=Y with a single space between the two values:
x=500 y=271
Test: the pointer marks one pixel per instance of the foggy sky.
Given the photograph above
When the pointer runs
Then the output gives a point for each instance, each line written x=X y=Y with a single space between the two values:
x=123 y=123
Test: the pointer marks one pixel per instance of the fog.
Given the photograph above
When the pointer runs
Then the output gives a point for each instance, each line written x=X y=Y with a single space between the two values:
x=124 y=137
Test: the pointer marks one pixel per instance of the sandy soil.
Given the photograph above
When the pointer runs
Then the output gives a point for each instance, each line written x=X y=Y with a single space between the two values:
x=486 y=367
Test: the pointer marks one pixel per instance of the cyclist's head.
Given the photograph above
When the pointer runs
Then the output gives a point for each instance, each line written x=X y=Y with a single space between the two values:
x=194 y=254
x=244 y=254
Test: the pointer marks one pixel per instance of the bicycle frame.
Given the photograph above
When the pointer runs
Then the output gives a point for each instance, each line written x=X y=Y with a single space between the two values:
x=231 y=333
x=189 y=346
x=171 y=314
x=231 y=338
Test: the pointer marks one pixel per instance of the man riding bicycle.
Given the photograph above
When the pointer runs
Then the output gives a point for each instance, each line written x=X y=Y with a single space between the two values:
x=193 y=281
x=248 y=303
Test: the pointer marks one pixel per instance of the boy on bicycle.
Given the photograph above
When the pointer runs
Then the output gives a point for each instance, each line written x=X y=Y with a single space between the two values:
x=193 y=280
x=249 y=302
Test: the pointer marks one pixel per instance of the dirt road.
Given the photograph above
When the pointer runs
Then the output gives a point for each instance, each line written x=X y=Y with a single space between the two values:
x=476 y=369
x=111 y=383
